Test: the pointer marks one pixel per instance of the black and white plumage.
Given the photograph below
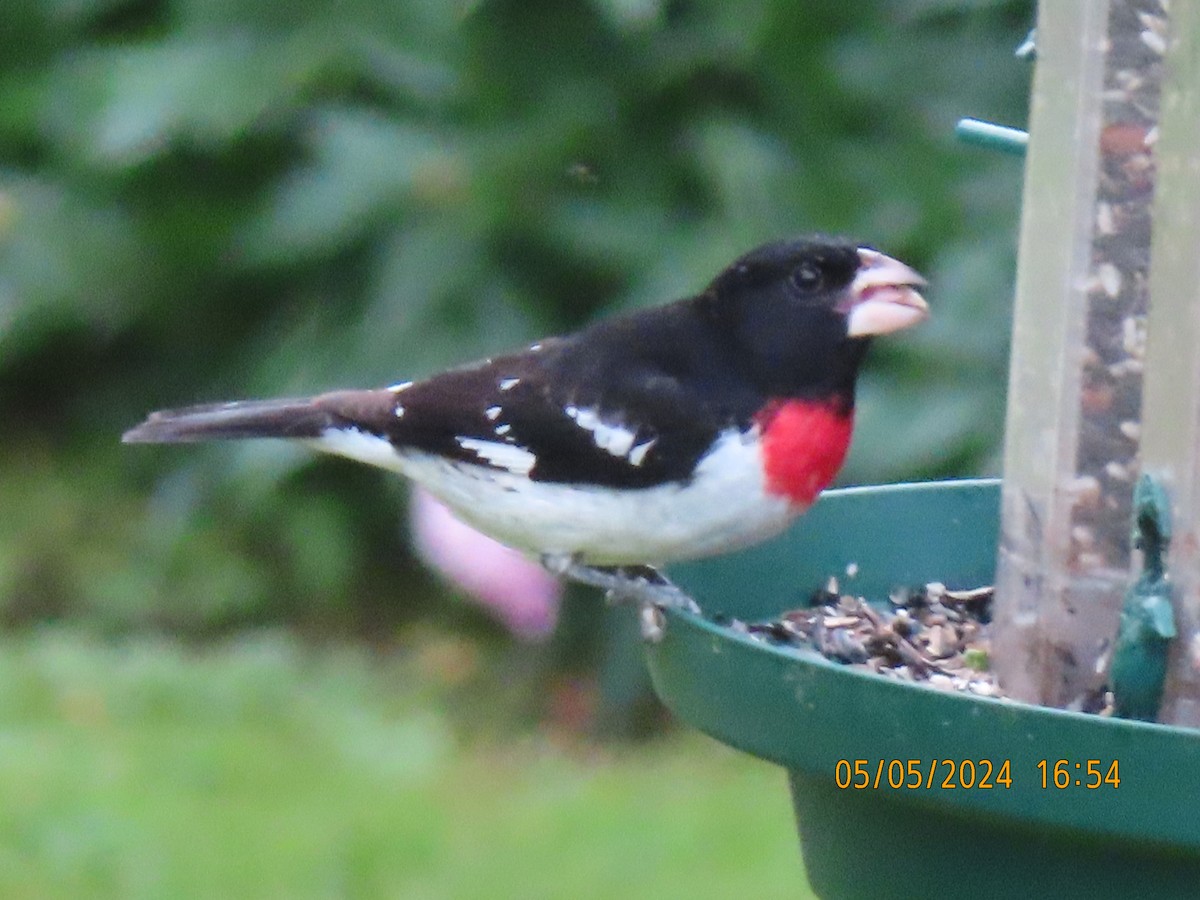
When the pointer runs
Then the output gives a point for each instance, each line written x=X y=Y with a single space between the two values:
x=663 y=434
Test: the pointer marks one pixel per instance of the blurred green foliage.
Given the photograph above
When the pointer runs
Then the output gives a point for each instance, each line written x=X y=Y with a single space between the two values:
x=209 y=199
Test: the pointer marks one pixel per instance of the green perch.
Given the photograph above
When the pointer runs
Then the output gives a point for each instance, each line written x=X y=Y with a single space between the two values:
x=1139 y=663
x=992 y=137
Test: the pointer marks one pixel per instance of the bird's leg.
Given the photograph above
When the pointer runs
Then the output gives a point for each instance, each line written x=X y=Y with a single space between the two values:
x=622 y=584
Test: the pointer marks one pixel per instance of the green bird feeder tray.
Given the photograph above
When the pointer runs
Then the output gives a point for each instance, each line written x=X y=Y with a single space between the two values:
x=1047 y=832
x=907 y=790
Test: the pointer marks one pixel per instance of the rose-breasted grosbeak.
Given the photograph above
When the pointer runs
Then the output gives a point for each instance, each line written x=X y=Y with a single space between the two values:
x=659 y=435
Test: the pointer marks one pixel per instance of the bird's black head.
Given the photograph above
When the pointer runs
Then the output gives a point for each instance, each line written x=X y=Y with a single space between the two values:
x=802 y=310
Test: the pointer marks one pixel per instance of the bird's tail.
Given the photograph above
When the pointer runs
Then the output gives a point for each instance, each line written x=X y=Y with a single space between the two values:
x=299 y=418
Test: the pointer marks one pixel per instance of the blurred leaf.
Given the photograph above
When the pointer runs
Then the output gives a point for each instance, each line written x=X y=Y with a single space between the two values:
x=63 y=262
x=363 y=167
x=123 y=105
x=631 y=15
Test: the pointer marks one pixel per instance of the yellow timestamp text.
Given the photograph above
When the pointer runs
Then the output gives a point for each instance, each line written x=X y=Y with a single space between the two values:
x=1090 y=774
x=973 y=774
x=923 y=774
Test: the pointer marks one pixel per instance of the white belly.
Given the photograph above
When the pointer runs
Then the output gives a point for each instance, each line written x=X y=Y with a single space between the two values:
x=723 y=507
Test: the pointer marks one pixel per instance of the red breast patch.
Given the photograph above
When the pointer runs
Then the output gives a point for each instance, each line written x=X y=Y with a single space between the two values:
x=803 y=445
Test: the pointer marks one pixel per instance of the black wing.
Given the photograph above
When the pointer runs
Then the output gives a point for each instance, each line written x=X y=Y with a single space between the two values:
x=633 y=401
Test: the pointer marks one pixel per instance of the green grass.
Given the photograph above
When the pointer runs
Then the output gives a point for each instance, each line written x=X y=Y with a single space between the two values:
x=259 y=768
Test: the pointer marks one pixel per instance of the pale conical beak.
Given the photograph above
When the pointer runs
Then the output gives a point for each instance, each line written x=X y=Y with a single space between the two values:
x=883 y=296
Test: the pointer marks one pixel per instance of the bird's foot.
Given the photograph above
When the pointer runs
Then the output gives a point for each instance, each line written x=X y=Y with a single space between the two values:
x=639 y=584
x=622 y=584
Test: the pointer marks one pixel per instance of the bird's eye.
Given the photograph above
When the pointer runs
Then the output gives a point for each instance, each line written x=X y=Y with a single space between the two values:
x=807 y=277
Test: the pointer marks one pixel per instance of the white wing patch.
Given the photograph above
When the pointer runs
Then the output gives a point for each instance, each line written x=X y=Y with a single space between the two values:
x=507 y=384
x=510 y=457
x=615 y=439
x=638 y=453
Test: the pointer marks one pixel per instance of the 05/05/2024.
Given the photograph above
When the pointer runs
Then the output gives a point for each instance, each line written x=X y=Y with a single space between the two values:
x=967 y=774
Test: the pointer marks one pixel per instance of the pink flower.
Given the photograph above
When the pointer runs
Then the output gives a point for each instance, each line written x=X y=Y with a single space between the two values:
x=518 y=592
